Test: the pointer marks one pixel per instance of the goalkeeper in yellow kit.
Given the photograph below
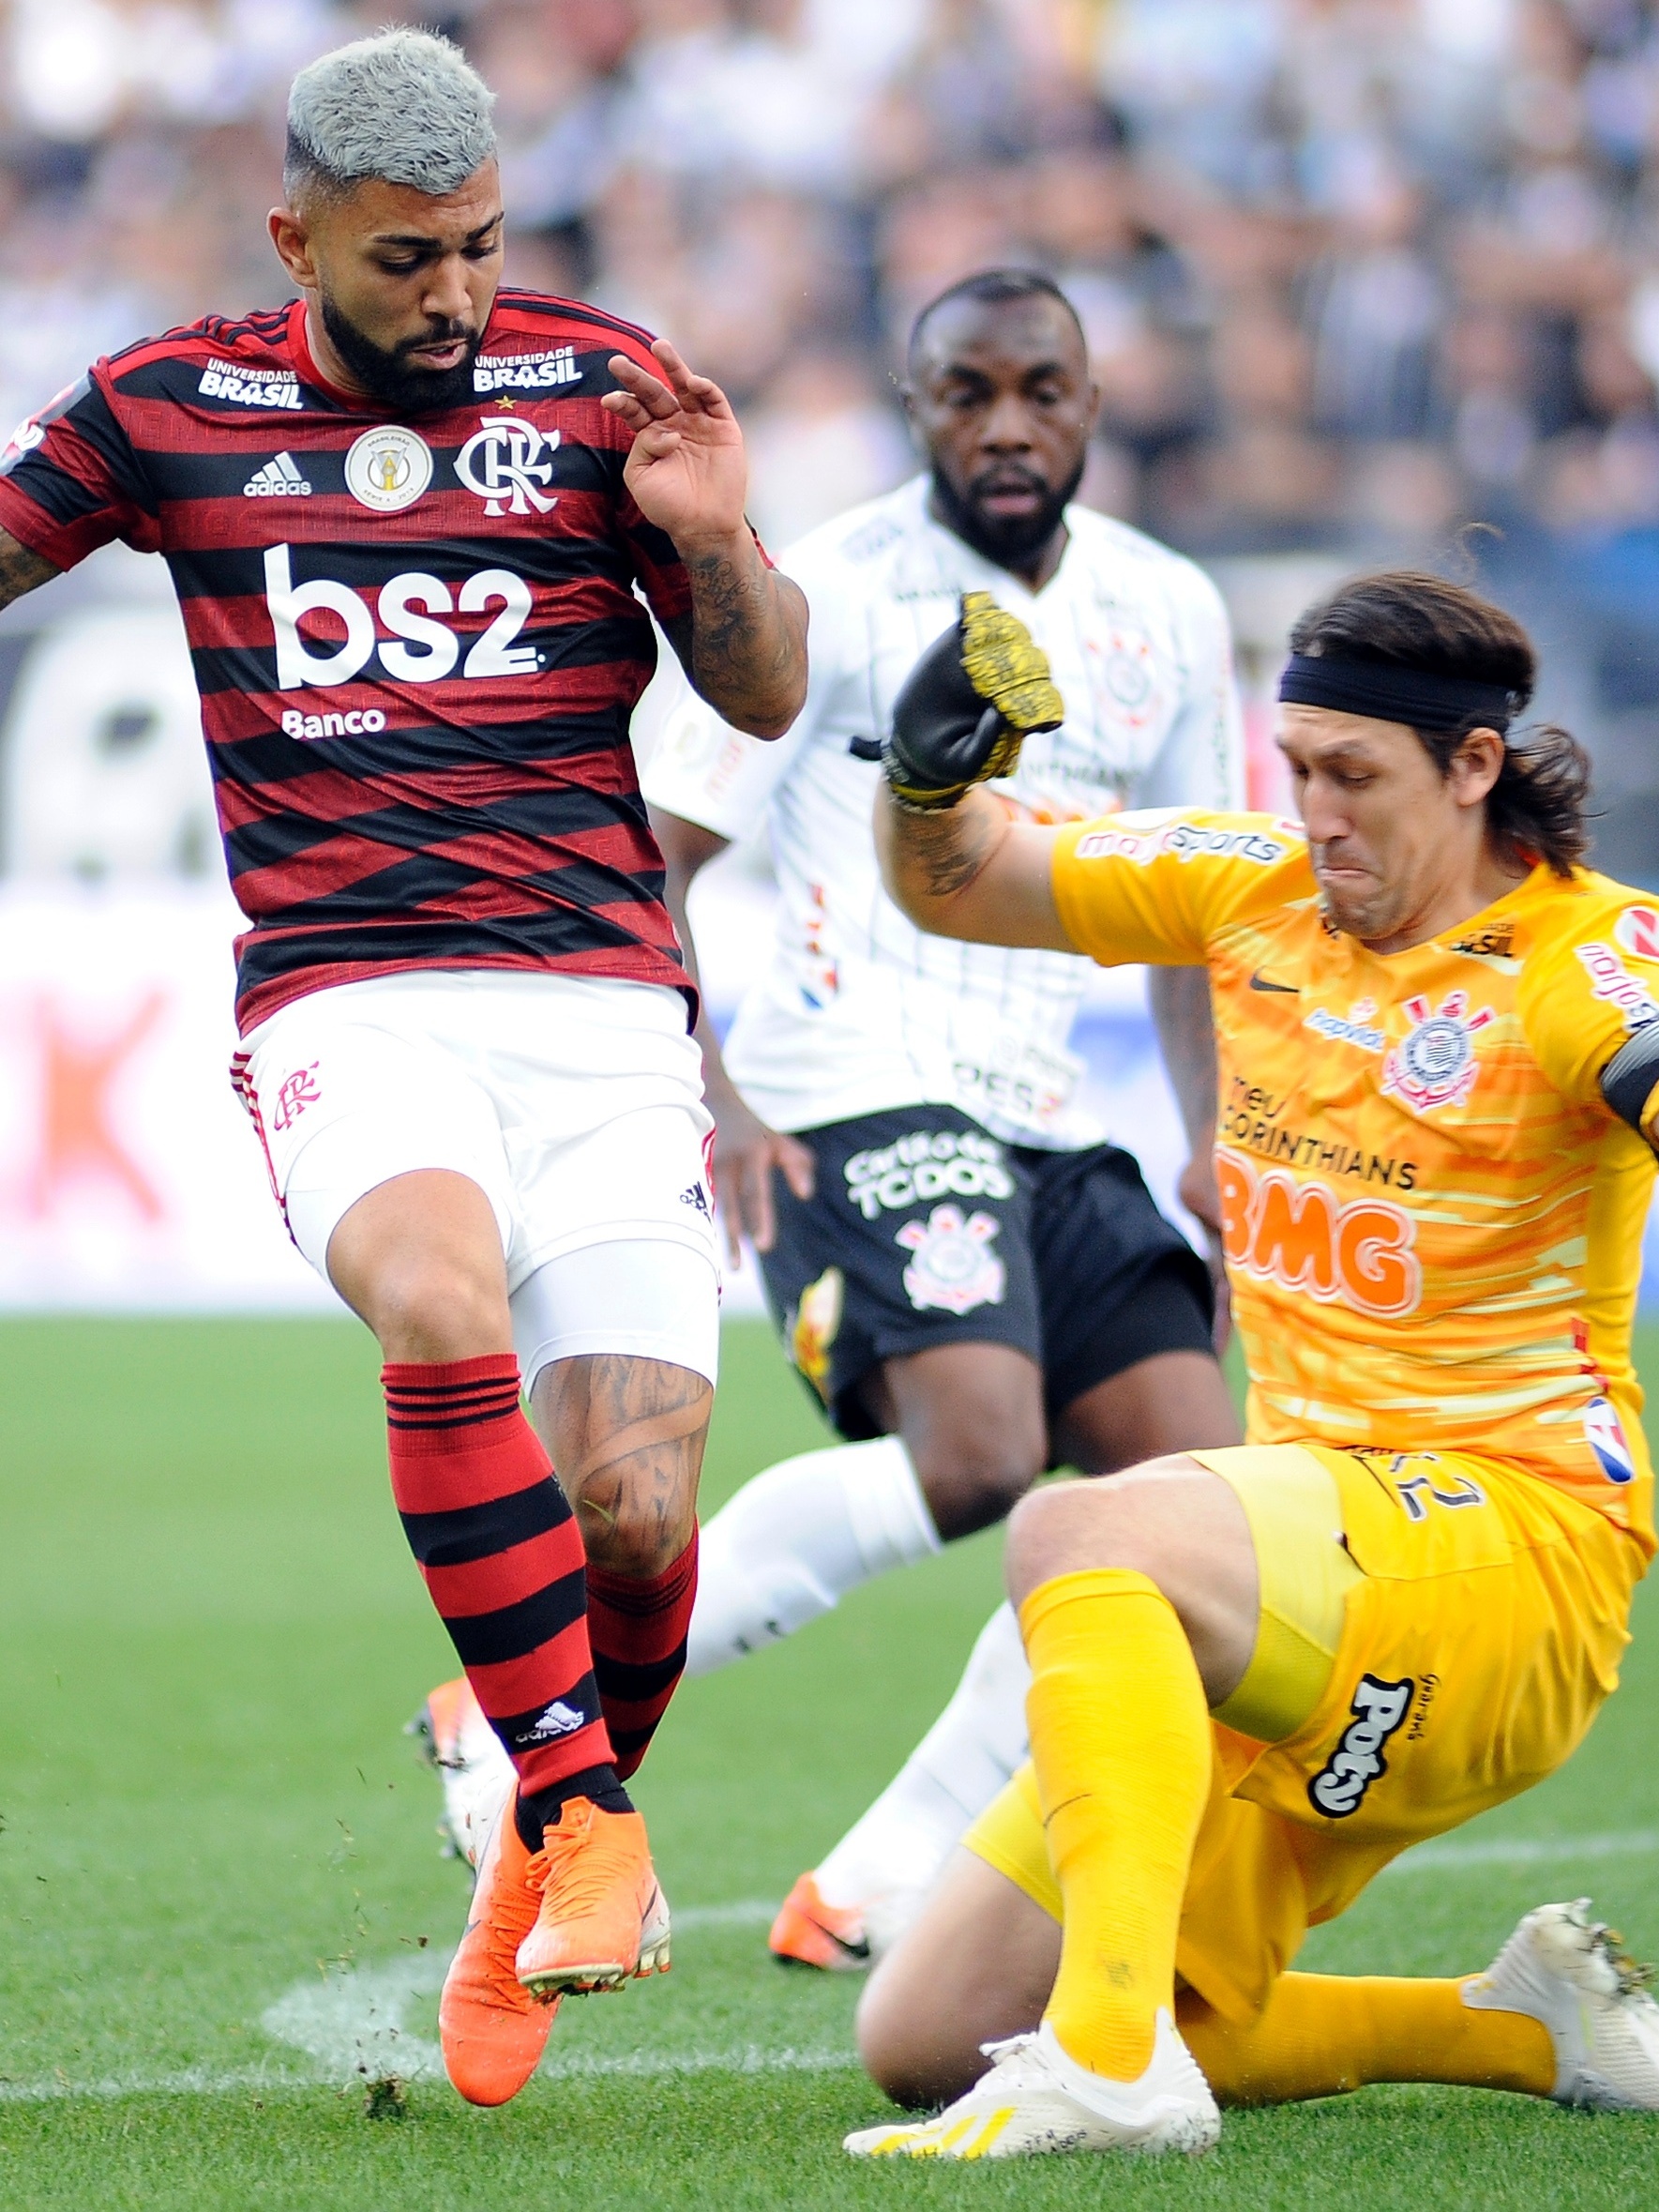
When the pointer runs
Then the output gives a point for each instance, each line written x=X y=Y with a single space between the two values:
x=1259 y=1675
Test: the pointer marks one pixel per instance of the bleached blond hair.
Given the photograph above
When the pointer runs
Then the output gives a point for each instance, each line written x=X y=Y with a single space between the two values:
x=403 y=105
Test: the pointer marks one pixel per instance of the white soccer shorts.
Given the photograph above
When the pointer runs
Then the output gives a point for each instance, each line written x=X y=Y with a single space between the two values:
x=575 y=1103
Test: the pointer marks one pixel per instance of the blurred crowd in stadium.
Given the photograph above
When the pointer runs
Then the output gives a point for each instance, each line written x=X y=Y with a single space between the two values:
x=1350 y=269
x=1354 y=271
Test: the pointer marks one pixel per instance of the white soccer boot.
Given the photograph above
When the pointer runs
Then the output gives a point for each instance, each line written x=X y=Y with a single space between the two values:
x=1567 y=1971
x=453 y=1736
x=1036 y=2098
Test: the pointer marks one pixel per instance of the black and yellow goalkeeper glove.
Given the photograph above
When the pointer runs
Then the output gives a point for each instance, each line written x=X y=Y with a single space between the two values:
x=968 y=706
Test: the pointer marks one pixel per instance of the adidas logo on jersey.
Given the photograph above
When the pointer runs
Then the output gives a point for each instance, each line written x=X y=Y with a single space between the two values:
x=557 y=1720
x=278 y=480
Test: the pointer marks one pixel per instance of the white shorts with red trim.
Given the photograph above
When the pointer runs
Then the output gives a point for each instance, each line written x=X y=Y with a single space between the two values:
x=575 y=1103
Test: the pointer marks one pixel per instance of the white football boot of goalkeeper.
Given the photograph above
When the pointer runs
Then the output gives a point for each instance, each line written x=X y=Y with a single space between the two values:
x=1566 y=1970
x=473 y=1769
x=1036 y=2100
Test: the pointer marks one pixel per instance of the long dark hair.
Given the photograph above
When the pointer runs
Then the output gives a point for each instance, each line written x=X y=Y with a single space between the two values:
x=1407 y=618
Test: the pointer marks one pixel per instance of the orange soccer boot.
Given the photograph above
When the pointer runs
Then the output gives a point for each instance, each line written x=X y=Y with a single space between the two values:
x=808 y=1933
x=492 y=2030
x=603 y=1919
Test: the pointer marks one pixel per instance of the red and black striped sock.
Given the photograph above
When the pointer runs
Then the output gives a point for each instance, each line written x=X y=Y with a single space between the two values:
x=639 y=1630
x=502 y=1559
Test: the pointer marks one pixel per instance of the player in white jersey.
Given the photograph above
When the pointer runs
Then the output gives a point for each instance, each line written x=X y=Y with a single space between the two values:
x=972 y=1282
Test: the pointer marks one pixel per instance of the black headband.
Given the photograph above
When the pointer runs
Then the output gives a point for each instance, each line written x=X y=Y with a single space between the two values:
x=1390 y=694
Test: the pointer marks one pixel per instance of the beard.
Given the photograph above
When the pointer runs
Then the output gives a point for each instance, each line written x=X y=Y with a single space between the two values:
x=1010 y=541
x=394 y=378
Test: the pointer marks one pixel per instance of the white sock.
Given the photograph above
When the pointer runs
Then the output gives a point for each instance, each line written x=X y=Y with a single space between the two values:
x=887 y=1861
x=796 y=1538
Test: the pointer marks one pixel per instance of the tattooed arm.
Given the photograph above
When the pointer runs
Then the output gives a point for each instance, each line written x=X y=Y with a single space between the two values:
x=744 y=643
x=968 y=871
x=21 y=570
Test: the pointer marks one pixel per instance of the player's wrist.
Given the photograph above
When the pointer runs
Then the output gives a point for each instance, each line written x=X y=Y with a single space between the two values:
x=909 y=799
x=714 y=545
x=722 y=1096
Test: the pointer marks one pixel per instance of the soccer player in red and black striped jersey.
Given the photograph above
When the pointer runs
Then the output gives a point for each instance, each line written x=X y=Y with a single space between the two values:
x=410 y=517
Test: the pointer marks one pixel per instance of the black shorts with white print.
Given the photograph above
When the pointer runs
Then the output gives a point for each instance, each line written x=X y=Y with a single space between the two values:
x=926 y=1230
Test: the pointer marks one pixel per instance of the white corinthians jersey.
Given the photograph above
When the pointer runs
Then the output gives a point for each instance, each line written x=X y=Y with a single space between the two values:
x=861 y=1011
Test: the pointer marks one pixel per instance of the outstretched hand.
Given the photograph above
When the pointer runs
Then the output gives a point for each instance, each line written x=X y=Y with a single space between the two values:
x=686 y=471
x=743 y=642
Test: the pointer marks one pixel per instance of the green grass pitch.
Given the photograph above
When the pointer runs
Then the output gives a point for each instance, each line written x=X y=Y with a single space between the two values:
x=219 y=1892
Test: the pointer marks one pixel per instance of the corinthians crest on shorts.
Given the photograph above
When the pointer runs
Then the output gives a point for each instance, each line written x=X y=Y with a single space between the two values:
x=952 y=1265
x=1434 y=1064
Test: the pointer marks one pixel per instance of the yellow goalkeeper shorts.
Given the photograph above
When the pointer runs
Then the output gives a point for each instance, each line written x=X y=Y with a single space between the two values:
x=1478 y=1638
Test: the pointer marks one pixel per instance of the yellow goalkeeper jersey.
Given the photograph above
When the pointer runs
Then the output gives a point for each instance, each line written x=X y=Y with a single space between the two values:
x=1432 y=1219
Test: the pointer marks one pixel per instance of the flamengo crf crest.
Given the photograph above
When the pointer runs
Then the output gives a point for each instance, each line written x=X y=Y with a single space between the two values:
x=503 y=461
x=1434 y=1064
x=954 y=1267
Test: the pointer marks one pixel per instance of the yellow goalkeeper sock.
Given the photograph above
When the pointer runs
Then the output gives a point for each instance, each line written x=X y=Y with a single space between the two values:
x=1323 y=2033
x=1121 y=1742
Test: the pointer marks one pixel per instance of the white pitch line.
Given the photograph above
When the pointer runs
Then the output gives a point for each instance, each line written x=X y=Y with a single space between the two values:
x=638 y=2065
x=747 y=2058
x=1524 y=1851
x=348 y=2021
x=350 y=2024
x=197 y=2081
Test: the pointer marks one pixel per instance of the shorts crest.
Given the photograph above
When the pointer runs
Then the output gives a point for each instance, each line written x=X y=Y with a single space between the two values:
x=954 y=1267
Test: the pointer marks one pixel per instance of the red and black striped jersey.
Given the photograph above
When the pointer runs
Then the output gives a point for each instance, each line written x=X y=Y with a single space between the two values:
x=417 y=639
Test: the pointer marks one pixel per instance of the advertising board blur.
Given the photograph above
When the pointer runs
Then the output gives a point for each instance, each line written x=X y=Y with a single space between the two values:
x=130 y=1178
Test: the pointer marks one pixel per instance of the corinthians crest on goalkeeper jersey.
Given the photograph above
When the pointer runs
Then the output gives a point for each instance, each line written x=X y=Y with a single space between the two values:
x=1432 y=1217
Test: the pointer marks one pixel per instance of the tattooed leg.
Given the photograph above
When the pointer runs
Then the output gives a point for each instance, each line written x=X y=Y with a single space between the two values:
x=627 y=1437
